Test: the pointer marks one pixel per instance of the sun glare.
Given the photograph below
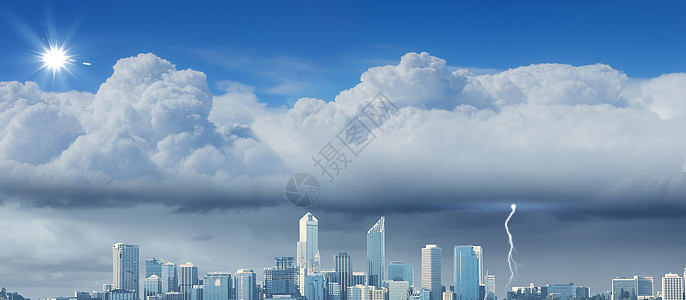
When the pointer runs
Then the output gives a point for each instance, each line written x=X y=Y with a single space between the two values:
x=55 y=59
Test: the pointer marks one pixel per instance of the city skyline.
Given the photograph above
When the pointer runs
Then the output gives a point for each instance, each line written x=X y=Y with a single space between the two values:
x=203 y=132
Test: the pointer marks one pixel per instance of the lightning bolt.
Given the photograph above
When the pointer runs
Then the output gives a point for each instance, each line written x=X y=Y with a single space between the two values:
x=510 y=260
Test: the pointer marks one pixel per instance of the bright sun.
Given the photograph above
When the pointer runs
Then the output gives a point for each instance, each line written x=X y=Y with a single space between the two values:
x=54 y=59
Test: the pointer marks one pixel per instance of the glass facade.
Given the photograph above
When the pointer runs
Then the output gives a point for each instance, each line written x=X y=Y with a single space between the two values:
x=245 y=285
x=125 y=264
x=170 y=277
x=217 y=286
x=308 y=248
x=376 y=253
x=400 y=271
x=466 y=273
x=153 y=266
x=152 y=285
x=624 y=288
x=431 y=270
x=315 y=287
x=344 y=269
x=281 y=279
x=562 y=291
x=189 y=278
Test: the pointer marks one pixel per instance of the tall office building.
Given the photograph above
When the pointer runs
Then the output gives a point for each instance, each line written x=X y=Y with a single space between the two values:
x=315 y=287
x=196 y=292
x=466 y=273
x=672 y=287
x=125 y=267
x=282 y=278
x=400 y=271
x=153 y=266
x=333 y=285
x=152 y=286
x=189 y=278
x=245 y=285
x=490 y=286
x=344 y=268
x=170 y=277
x=376 y=253
x=583 y=292
x=217 y=286
x=308 y=249
x=480 y=256
x=431 y=270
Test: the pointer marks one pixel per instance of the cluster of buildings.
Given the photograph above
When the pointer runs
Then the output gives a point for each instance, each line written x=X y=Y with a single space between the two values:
x=303 y=278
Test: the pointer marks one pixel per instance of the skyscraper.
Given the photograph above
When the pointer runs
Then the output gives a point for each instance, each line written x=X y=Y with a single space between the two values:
x=344 y=268
x=125 y=267
x=152 y=286
x=644 y=287
x=672 y=287
x=480 y=256
x=282 y=278
x=308 y=248
x=400 y=271
x=333 y=285
x=466 y=273
x=431 y=270
x=217 y=286
x=623 y=288
x=315 y=287
x=153 y=266
x=189 y=278
x=376 y=254
x=490 y=286
x=170 y=277
x=246 y=285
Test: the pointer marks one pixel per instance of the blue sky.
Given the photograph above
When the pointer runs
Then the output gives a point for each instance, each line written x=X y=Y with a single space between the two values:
x=316 y=49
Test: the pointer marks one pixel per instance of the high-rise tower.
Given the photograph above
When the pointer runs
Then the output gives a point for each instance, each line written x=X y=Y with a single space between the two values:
x=376 y=253
x=308 y=249
x=125 y=267
x=431 y=270
x=344 y=270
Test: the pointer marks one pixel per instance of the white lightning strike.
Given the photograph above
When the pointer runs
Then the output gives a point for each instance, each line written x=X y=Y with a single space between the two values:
x=510 y=260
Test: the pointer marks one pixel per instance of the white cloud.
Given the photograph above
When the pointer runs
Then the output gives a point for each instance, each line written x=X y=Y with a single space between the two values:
x=584 y=131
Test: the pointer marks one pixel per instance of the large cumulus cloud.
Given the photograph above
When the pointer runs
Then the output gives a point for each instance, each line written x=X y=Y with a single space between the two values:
x=546 y=133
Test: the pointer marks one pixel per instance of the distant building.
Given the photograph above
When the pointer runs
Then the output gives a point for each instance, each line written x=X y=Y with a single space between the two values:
x=189 y=278
x=672 y=287
x=245 y=285
x=282 y=278
x=152 y=285
x=400 y=271
x=315 y=287
x=466 y=273
x=217 y=286
x=431 y=270
x=308 y=248
x=333 y=286
x=360 y=292
x=398 y=289
x=561 y=291
x=583 y=292
x=170 y=277
x=171 y=296
x=344 y=269
x=380 y=294
x=448 y=295
x=376 y=253
x=122 y=294
x=638 y=287
x=125 y=267
x=153 y=266
x=490 y=287
x=196 y=292
x=480 y=256
x=359 y=278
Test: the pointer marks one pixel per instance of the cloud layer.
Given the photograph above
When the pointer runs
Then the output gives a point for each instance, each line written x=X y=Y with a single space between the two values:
x=548 y=133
